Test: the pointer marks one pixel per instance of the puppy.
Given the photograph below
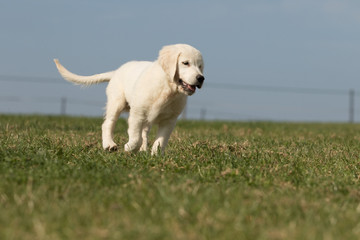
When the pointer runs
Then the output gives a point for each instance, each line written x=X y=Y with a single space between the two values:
x=153 y=93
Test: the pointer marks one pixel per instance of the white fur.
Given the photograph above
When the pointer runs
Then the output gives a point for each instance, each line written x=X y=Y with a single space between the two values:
x=153 y=92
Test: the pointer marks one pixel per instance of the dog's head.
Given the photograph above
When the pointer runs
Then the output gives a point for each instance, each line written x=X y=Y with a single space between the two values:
x=184 y=65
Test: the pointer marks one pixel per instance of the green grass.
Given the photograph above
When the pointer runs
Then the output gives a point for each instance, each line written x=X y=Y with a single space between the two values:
x=217 y=180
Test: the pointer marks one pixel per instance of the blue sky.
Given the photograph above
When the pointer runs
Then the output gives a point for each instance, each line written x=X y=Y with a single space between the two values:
x=278 y=43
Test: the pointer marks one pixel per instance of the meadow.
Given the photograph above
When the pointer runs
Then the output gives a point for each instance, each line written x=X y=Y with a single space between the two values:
x=217 y=180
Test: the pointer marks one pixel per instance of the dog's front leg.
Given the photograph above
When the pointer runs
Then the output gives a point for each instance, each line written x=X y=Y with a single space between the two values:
x=135 y=128
x=163 y=135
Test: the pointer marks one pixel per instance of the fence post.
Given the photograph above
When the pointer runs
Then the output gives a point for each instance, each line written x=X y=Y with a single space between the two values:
x=351 y=105
x=202 y=114
x=63 y=106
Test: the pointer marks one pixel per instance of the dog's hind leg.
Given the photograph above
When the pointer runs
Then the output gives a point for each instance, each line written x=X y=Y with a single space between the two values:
x=114 y=107
x=145 y=133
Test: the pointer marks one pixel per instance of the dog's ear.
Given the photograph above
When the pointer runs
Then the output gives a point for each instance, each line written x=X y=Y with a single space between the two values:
x=168 y=60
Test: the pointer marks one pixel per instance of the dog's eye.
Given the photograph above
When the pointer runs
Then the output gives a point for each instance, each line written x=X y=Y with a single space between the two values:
x=186 y=63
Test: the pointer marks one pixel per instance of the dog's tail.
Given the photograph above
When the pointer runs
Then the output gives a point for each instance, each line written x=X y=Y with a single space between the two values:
x=84 y=80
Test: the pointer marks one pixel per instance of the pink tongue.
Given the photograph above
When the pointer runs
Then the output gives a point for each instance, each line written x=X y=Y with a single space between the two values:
x=191 y=88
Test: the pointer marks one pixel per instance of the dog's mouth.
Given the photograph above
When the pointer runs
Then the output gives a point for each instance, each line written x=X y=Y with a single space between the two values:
x=187 y=87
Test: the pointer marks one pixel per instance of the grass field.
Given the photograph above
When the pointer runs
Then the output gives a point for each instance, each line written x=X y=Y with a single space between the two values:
x=217 y=180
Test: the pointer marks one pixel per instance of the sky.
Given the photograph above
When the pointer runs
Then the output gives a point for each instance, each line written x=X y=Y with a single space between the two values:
x=278 y=60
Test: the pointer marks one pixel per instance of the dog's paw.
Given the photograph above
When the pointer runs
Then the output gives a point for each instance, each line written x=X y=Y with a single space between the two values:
x=127 y=148
x=113 y=148
x=131 y=147
x=110 y=146
x=156 y=149
x=143 y=148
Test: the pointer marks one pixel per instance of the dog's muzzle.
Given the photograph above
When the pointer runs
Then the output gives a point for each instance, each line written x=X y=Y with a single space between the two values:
x=190 y=89
x=200 y=78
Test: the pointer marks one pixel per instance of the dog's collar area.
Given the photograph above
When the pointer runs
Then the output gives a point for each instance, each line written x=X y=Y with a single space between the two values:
x=187 y=87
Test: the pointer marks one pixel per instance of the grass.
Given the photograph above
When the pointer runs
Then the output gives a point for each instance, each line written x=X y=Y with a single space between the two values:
x=217 y=180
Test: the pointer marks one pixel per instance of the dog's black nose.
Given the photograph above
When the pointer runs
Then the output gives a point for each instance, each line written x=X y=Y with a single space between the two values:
x=200 y=78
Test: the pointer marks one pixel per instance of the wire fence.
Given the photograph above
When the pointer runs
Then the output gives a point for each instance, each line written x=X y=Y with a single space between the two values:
x=63 y=103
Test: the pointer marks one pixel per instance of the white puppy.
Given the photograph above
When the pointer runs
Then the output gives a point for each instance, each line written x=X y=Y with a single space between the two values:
x=153 y=92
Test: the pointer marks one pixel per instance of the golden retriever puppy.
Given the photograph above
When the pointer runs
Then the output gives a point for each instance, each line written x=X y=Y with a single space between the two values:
x=153 y=92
